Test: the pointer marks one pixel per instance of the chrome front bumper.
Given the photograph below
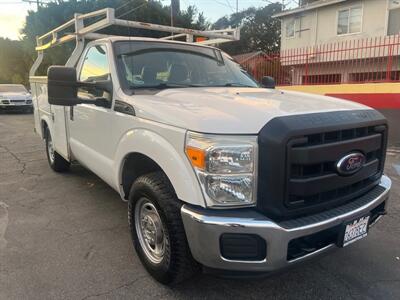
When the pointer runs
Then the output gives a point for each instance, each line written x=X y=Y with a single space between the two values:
x=204 y=229
x=16 y=105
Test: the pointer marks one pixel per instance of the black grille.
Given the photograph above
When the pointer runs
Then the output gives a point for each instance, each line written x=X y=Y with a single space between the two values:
x=298 y=156
x=312 y=177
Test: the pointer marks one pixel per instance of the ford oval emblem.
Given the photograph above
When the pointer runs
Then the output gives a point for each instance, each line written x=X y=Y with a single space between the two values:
x=351 y=163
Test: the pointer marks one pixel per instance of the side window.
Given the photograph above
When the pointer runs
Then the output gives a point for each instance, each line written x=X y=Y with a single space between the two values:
x=394 y=21
x=349 y=20
x=95 y=66
x=290 y=28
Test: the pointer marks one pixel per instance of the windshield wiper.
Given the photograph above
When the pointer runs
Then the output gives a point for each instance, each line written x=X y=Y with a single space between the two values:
x=162 y=86
x=237 y=84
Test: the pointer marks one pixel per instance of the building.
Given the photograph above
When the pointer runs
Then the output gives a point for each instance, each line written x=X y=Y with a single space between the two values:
x=336 y=41
x=330 y=21
x=254 y=62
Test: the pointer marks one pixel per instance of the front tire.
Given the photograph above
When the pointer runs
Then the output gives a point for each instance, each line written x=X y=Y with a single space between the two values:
x=157 y=230
x=56 y=161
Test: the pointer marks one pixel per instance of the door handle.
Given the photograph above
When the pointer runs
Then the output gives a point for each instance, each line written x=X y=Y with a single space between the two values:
x=71 y=113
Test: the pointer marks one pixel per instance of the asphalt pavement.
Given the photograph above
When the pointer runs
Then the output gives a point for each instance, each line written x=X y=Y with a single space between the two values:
x=65 y=236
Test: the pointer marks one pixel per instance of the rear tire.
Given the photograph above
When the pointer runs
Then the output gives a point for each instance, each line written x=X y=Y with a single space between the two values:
x=157 y=230
x=56 y=161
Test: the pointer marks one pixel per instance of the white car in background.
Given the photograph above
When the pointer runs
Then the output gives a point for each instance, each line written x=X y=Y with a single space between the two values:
x=15 y=97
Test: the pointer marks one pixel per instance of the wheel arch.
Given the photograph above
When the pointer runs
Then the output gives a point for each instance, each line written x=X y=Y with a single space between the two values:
x=142 y=151
x=44 y=123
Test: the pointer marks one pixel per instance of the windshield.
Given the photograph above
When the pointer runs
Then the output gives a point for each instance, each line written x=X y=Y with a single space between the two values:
x=9 y=88
x=166 y=65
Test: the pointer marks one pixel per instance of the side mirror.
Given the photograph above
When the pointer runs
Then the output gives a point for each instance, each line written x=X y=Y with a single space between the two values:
x=62 y=87
x=268 y=82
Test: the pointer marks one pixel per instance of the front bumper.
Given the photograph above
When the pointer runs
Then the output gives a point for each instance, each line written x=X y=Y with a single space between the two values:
x=16 y=106
x=204 y=229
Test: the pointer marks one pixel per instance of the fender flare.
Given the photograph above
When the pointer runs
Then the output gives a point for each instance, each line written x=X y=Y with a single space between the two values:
x=173 y=162
x=45 y=119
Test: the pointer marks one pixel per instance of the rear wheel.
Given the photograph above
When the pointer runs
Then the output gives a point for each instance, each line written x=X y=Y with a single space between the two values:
x=56 y=161
x=157 y=229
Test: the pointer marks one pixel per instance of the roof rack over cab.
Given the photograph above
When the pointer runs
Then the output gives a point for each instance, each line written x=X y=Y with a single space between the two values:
x=81 y=32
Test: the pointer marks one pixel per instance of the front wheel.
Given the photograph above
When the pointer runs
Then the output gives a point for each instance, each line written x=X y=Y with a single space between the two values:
x=56 y=161
x=157 y=230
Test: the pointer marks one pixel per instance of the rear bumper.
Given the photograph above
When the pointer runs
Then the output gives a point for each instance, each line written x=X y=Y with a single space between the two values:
x=204 y=229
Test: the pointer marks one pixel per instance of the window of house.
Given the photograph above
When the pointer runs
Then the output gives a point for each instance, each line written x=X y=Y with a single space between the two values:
x=394 y=21
x=349 y=20
x=290 y=28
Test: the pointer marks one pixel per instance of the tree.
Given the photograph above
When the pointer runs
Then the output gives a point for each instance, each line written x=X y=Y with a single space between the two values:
x=14 y=63
x=259 y=30
x=16 y=57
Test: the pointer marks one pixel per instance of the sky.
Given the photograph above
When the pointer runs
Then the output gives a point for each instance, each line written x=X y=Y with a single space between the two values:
x=13 y=12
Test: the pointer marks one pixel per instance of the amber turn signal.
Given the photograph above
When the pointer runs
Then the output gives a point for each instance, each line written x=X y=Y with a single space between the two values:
x=197 y=157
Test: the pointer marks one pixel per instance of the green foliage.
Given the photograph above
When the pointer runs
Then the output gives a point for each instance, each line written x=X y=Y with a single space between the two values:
x=259 y=30
x=14 y=62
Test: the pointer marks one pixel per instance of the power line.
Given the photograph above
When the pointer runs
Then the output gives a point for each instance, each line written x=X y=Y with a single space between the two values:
x=230 y=6
x=123 y=5
x=132 y=10
x=224 y=4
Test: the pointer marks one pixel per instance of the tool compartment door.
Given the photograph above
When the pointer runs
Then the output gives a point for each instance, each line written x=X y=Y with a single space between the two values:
x=60 y=134
x=53 y=115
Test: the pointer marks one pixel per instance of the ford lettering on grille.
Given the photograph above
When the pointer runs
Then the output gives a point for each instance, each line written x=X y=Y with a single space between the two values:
x=351 y=163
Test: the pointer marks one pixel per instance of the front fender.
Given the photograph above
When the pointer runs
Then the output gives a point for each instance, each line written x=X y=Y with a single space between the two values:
x=169 y=156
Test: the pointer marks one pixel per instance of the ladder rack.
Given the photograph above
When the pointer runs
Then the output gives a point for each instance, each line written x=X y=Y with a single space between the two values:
x=81 y=32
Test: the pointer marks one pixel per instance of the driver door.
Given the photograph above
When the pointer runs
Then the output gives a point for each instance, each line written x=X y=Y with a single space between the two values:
x=90 y=125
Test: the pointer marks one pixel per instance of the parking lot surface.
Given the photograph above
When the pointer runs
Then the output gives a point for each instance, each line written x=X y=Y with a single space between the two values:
x=65 y=236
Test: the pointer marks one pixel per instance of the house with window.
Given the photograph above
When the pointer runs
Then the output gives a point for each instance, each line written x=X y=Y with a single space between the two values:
x=254 y=62
x=335 y=41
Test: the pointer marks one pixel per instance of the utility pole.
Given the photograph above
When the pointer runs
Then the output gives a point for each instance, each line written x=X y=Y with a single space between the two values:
x=237 y=6
x=175 y=9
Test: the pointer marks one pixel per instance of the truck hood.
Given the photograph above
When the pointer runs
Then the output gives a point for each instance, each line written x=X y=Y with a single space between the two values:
x=231 y=110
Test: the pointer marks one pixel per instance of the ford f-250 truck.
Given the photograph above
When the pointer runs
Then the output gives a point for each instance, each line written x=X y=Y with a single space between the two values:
x=219 y=171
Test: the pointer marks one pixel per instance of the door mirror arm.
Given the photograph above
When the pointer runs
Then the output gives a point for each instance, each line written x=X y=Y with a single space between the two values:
x=100 y=102
x=103 y=85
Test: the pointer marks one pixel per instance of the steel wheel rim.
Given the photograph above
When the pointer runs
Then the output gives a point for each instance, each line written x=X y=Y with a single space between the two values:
x=150 y=230
x=50 y=148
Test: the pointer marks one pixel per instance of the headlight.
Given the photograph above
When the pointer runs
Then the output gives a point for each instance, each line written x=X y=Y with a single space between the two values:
x=225 y=166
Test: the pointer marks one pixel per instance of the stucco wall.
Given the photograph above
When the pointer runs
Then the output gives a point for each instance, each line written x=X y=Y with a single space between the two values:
x=319 y=26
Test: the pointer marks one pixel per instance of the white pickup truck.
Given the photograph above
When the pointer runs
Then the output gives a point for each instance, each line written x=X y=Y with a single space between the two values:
x=219 y=172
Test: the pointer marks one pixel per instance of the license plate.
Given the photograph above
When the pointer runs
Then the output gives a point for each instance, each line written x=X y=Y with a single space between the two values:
x=354 y=231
